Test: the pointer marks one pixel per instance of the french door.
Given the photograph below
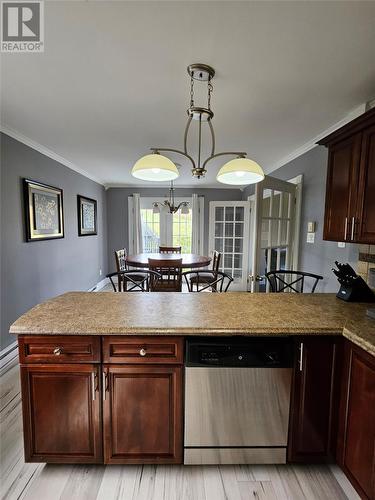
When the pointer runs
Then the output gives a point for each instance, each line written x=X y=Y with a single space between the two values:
x=229 y=235
x=165 y=229
x=274 y=242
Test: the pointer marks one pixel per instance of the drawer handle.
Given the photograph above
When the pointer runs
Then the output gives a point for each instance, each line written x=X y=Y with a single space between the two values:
x=143 y=352
x=58 y=351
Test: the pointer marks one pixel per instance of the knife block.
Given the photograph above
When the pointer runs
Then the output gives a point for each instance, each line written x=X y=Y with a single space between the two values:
x=359 y=291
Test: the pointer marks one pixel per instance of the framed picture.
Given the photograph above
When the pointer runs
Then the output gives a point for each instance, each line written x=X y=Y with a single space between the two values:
x=86 y=216
x=43 y=210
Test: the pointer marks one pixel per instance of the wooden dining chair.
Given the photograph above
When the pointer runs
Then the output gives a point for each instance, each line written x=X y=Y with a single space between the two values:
x=130 y=281
x=170 y=271
x=122 y=265
x=207 y=276
x=163 y=249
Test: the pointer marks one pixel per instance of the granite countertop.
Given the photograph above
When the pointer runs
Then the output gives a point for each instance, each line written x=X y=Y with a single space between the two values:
x=236 y=313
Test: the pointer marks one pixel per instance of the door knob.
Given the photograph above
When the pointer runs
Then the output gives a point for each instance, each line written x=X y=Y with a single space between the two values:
x=142 y=352
x=57 y=351
x=256 y=278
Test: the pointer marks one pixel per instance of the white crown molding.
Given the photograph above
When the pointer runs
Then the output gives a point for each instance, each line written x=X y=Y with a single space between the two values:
x=359 y=110
x=167 y=186
x=47 y=152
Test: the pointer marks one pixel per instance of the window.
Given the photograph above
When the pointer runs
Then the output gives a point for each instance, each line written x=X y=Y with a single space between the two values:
x=182 y=231
x=150 y=230
x=164 y=228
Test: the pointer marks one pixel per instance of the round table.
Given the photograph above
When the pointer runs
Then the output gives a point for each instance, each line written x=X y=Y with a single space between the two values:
x=189 y=260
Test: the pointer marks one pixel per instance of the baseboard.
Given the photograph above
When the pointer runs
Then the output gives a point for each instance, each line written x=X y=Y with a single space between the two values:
x=8 y=357
x=99 y=285
x=344 y=482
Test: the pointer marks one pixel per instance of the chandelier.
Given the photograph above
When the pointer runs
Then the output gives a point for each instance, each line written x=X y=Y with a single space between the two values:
x=170 y=204
x=238 y=171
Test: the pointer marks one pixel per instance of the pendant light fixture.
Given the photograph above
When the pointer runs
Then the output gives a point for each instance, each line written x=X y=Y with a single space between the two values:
x=170 y=204
x=238 y=171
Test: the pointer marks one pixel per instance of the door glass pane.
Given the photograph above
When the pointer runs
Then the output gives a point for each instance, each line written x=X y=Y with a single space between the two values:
x=229 y=213
x=229 y=229
x=237 y=261
x=228 y=245
x=219 y=213
x=228 y=261
x=238 y=231
x=238 y=244
x=219 y=229
x=240 y=213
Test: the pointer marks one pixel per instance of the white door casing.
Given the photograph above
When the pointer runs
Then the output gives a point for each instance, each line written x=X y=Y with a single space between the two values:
x=229 y=234
x=275 y=228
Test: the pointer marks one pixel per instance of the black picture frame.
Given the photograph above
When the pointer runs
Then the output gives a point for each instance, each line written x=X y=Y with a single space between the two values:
x=83 y=228
x=44 y=211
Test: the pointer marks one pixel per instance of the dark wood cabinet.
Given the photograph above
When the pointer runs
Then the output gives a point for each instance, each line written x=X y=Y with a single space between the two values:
x=356 y=437
x=314 y=402
x=350 y=203
x=342 y=180
x=142 y=414
x=365 y=231
x=61 y=413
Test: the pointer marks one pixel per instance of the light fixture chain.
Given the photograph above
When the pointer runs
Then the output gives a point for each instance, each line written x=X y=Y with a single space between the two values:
x=210 y=90
x=191 y=91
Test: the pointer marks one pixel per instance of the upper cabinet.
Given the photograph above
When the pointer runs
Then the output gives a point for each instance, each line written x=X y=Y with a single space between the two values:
x=350 y=208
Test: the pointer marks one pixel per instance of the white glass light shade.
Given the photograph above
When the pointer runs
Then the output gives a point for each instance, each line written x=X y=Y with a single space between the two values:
x=185 y=209
x=155 y=167
x=155 y=208
x=240 y=171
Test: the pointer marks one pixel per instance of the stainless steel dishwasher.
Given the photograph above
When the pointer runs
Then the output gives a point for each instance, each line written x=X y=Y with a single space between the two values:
x=237 y=397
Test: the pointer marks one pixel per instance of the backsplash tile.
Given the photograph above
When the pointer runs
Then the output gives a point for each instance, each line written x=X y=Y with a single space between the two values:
x=366 y=261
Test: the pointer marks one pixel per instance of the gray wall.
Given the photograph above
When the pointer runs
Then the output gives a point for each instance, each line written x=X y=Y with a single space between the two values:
x=320 y=256
x=33 y=272
x=117 y=205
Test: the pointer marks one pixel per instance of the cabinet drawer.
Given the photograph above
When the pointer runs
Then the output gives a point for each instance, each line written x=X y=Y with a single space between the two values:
x=58 y=349
x=143 y=350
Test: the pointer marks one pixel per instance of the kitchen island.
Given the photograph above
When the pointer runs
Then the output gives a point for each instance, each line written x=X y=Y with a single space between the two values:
x=103 y=374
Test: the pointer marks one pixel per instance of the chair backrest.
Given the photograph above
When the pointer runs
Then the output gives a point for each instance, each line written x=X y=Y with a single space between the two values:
x=220 y=282
x=292 y=281
x=216 y=260
x=133 y=281
x=170 y=271
x=169 y=249
x=120 y=258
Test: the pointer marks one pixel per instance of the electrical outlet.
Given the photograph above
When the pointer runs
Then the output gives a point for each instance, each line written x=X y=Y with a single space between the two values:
x=100 y=272
x=310 y=238
x=341 y=244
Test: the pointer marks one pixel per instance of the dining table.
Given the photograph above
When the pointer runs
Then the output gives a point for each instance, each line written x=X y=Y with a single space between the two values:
x=189 y=260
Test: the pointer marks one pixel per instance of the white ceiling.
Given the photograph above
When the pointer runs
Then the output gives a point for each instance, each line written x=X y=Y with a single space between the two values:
x=112 y=81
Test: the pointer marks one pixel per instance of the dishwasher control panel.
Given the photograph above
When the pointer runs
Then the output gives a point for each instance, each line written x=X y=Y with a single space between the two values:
x=240 y=352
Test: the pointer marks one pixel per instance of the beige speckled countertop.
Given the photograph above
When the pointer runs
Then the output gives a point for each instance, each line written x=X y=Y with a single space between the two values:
x=241 y=313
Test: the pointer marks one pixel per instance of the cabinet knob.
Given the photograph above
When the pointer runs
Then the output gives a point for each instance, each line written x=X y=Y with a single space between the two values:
x=142 y=352
x=57 y=351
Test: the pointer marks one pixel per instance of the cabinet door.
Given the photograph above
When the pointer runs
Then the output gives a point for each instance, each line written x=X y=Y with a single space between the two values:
x=142 y=414
x=315 y=396
x=61 y=413
x=341 y=189
x=356 y=449
x=365 y=232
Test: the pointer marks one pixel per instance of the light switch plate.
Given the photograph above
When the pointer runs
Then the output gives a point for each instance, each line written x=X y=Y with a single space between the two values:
x=311 y=227
x=310 y=238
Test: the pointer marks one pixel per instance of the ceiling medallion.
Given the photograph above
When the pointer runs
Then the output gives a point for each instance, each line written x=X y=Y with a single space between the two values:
x=238 y=171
